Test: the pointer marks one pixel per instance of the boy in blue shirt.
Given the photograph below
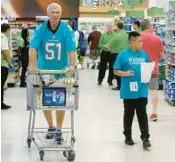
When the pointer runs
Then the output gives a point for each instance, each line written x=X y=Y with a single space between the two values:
x=133 y=92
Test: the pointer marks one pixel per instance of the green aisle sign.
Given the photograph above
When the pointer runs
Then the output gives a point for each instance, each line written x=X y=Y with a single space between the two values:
x=131 y=3
x=113 y=12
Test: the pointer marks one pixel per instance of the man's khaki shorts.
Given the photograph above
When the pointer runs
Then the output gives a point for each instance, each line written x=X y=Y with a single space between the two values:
x=154 y=83
x=94 y=54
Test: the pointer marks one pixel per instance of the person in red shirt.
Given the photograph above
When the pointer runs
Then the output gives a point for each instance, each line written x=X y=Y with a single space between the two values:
x=93 y=40
x=153 y=45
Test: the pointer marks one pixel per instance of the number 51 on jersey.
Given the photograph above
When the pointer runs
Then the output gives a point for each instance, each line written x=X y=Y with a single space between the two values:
x=51 y=53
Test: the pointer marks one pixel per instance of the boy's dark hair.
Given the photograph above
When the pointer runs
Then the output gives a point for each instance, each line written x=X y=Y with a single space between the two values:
x=133 y=35
x=120 y=25
x=137 y=23
x=4 y=27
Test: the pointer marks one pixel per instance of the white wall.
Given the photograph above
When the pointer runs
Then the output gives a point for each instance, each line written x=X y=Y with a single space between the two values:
x=160 y=3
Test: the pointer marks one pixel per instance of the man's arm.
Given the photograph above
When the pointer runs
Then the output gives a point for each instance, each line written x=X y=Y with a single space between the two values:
x=71 y=48
x=32 y=58
x=161 y=55
x=101 y=42
x=161 y=50
x=123 y=73
x=7 y=57
x=34 y=45
x=72 y=58
x=5 y=51
x=118 y=66
x=113 y=41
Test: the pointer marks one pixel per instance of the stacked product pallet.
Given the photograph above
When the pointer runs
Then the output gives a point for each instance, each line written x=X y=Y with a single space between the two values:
x=162 y=77
x=13 y=76
x=169 y=83
x=160 y=31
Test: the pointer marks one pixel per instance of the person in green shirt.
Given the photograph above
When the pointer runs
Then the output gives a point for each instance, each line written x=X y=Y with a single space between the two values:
x=136 y=26
x=24 y=56
x=118 y=44
x=106 y=56
x=5 y=61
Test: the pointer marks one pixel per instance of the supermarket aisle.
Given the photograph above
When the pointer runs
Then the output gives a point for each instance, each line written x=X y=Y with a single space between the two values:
x=98 y=126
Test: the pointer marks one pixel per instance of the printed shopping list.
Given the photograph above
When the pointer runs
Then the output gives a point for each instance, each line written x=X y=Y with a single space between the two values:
x=146 y=71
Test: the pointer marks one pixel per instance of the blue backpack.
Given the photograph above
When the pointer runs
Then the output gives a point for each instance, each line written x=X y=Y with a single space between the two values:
x=82 y=42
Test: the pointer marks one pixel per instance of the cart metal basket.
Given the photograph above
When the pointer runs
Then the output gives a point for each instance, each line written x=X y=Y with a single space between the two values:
x=52 y=90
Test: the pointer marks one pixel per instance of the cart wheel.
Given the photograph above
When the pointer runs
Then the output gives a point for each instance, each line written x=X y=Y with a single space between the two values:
x=41 y=153
x=71 y=155
x=29 y=142
x=73 y=139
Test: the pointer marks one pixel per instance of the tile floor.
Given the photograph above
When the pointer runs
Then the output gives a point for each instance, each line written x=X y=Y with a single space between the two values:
x=98 y=128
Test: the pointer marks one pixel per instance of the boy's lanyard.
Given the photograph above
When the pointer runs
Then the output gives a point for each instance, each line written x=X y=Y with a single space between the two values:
x=133 y=85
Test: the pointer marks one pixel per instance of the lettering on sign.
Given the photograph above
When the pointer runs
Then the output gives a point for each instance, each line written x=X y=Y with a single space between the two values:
x=102 y=3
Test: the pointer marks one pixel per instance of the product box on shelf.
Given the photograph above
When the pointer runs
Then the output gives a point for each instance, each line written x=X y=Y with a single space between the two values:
x=13 y=62
x=172 y=57
x=168 y=84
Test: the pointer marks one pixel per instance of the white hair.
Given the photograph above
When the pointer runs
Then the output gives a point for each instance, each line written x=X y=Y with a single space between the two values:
x=53 y=6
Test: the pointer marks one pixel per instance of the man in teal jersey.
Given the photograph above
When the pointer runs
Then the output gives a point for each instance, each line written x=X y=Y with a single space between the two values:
x=54 y=43
x=133 y=92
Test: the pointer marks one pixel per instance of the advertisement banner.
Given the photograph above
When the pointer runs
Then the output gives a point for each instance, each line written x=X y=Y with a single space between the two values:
x=112 y=3
x=33 y=8
x=54 y=96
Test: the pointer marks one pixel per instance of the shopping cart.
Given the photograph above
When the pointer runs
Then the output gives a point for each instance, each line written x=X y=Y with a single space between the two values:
x=52 y=90
x=93 y=59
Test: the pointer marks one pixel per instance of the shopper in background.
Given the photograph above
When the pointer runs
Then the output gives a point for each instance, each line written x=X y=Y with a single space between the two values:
x=83 y=47
x=93 y=40
x=24 y=56
x=136 y=26
x=5 y=60
x=106 y=56
x=53 y=37
x=117 y=44
x=153 y=45
x=73 y=24
x=133 y=92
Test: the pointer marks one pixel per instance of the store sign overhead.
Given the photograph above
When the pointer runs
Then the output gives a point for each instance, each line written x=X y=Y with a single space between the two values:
x=102 y=3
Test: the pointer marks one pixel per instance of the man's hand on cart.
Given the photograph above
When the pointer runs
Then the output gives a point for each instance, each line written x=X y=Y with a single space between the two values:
x=33 y=69
x=72 y=69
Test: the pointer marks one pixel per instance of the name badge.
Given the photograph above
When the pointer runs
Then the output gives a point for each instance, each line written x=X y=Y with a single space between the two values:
x=133 y=86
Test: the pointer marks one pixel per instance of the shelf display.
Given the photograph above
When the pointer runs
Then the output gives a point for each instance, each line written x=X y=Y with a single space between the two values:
x=160 y=30
x=169 y=83
x=13 y=76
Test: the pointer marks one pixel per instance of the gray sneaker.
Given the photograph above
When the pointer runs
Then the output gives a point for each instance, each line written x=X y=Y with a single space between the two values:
x=58 y=137
x=50 y=133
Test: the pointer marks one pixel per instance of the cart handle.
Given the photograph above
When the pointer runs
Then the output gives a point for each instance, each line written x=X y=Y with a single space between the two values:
x=63 y=71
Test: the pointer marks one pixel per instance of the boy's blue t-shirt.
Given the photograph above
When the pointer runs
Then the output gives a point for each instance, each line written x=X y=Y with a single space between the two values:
x=130 y=60
x=53 y=48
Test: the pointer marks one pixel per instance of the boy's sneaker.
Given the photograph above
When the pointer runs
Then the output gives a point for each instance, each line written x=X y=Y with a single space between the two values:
x=58 y=137
x=99 y=83
x=146 y=144
x=51 y=132
x=154 y=117
x=93 y=67
x=129 y=141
